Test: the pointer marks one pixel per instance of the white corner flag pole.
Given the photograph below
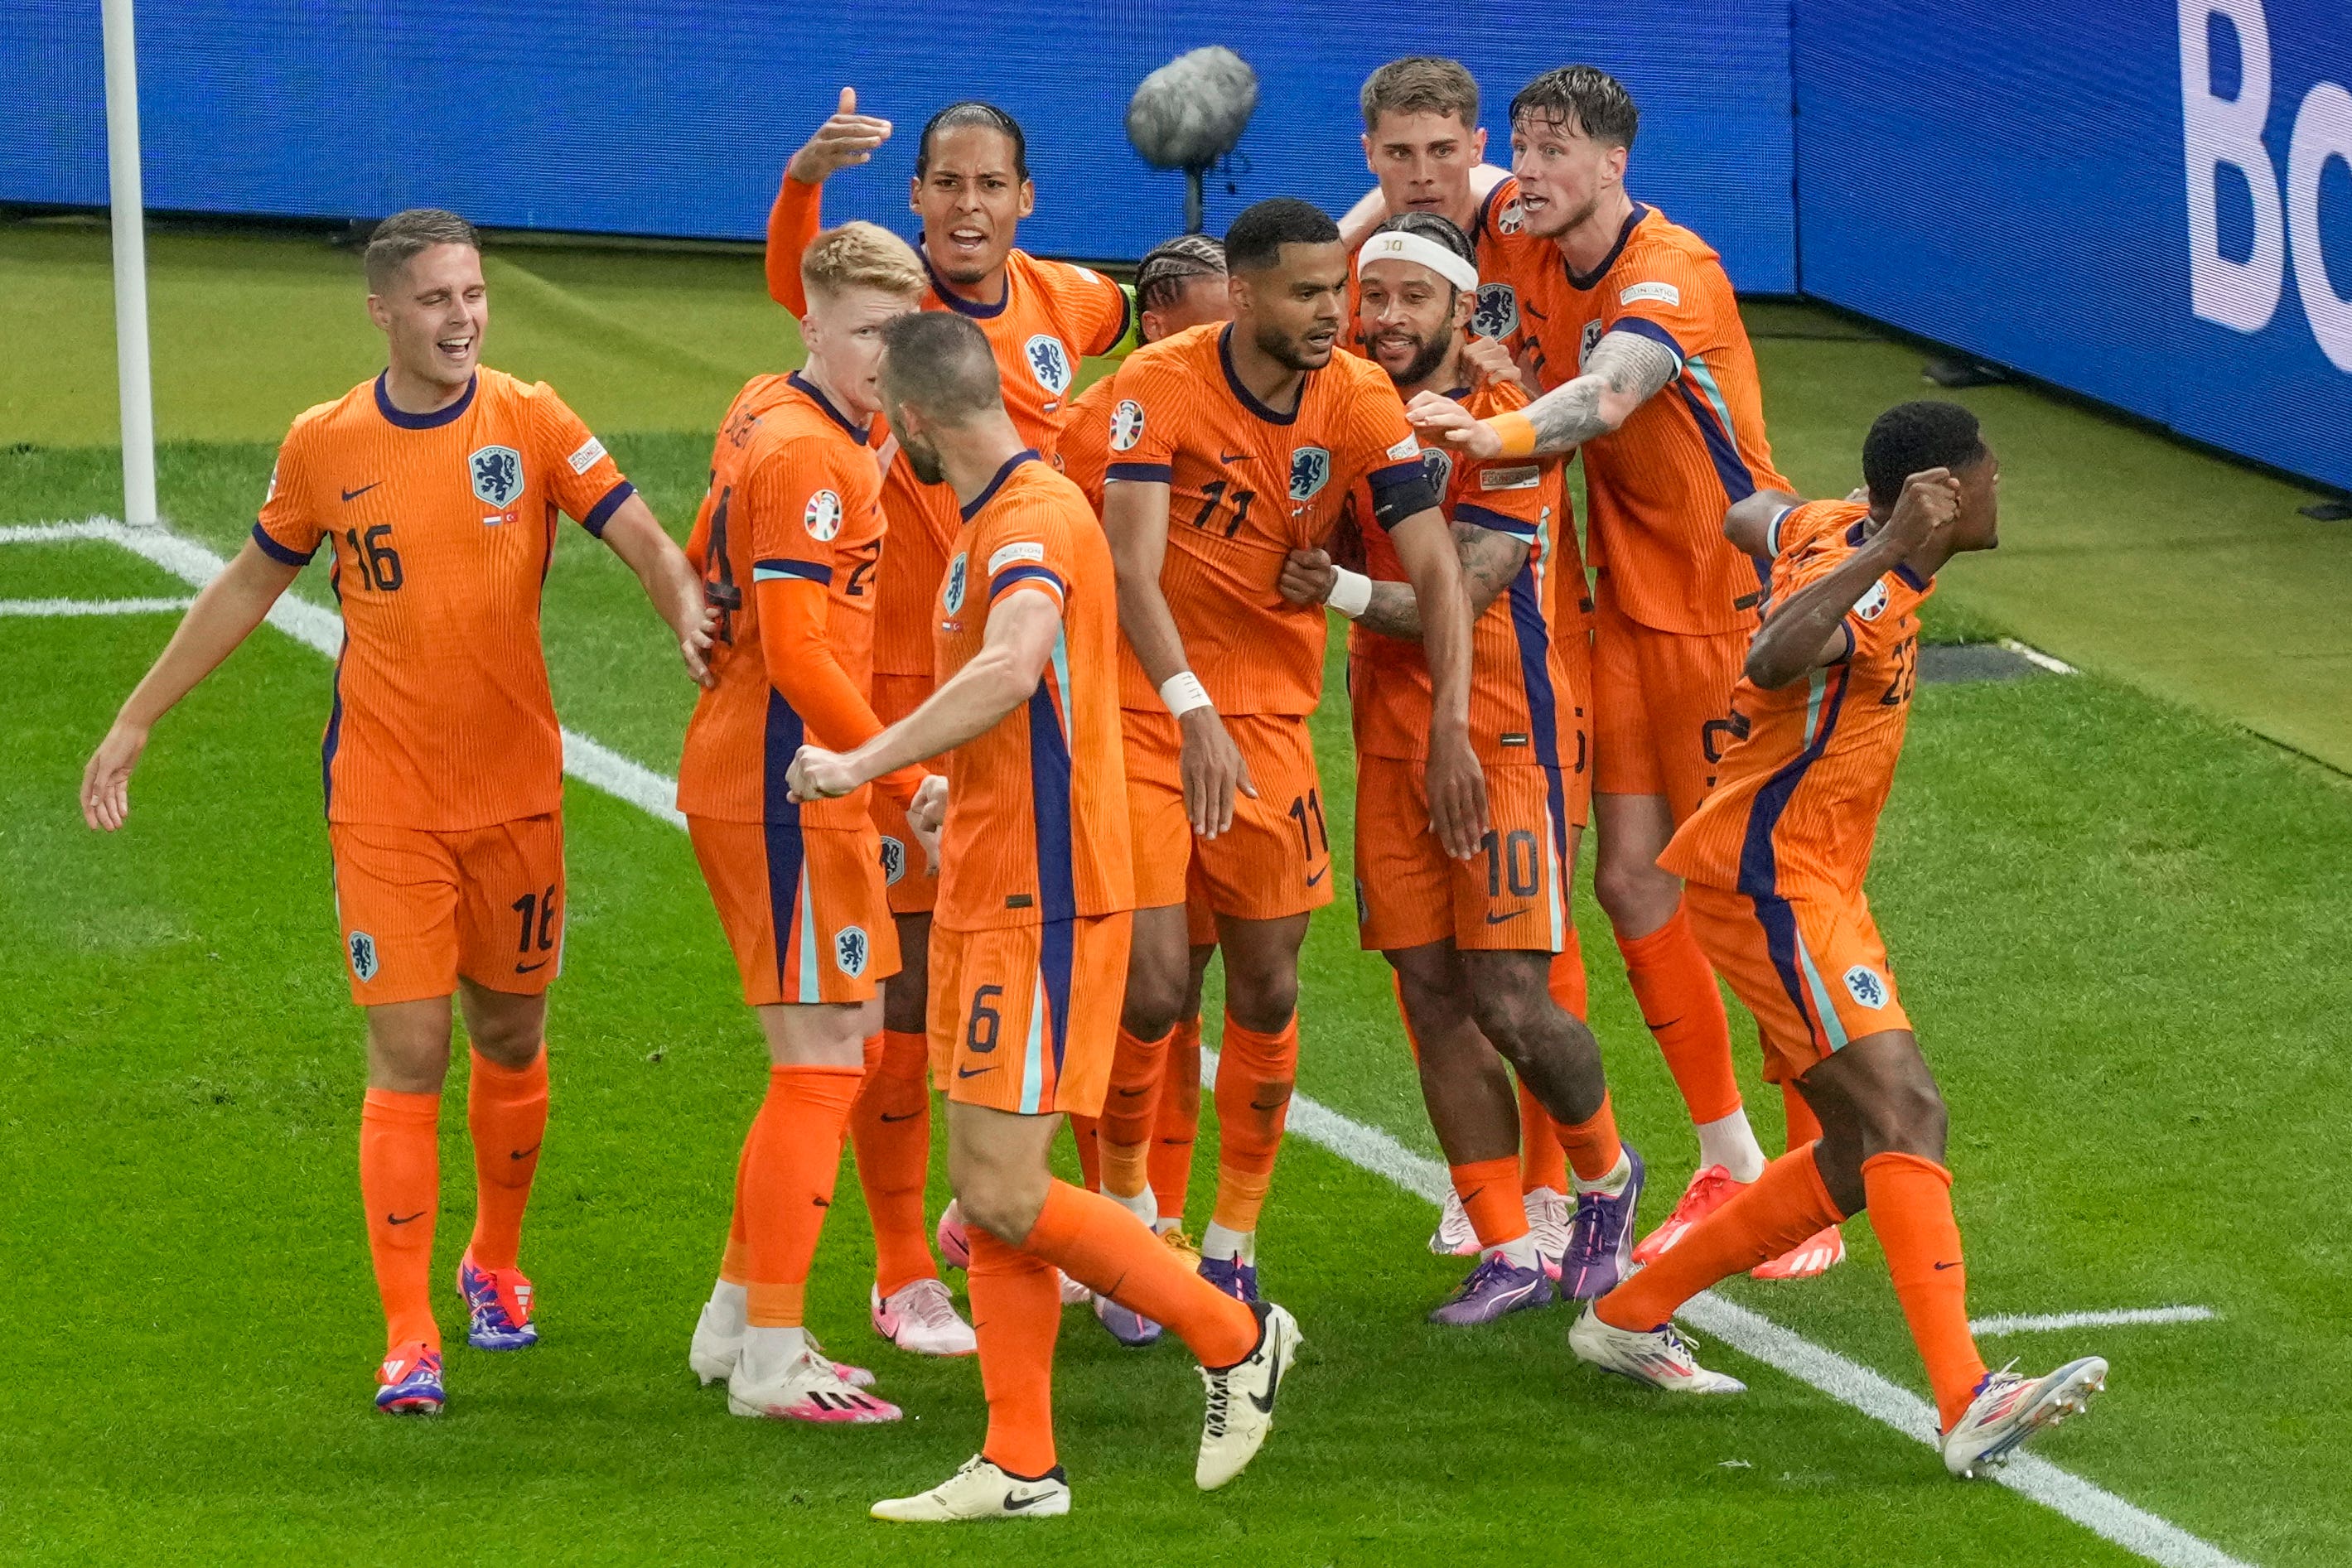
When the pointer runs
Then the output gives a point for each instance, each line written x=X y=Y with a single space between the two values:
x=132 y=380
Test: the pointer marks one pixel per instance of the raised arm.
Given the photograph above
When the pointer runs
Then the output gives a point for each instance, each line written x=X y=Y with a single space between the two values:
x=845 y=140
x=1809 y=630
x=1457 y=786
x=1624 y=369
x=669 y=580
x=223 y=616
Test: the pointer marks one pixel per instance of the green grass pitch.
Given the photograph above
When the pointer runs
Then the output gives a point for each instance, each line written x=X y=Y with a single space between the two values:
x=2121 y=927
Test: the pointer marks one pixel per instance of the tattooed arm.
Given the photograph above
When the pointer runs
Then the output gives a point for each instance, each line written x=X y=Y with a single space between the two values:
x=1622 y=372
x=1490 y=558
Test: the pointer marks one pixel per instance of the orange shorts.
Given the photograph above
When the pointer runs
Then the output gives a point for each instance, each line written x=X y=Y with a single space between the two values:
x=1025 y=1018
x=1662 y=706
x=803 y=907
x=1512 y=897
x=1812 y=970
x=419 y=908
x=913 y=890
x=1276 y=859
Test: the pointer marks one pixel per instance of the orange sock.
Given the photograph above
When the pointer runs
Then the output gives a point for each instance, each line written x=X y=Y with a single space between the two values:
x=1086 y=1131
x=890 y=1126
x=790 y=1163
x=1109 y=1250
x=1771 y=1214
x=1255 y=1075
x=1591 y=1145
x=1805 y=1127
x=1131 y=1104
x=1542 y=1161
x=1911 y=1210
x=400 y=1182
x=1178 y=1122
x=506 y=1111
x=1676 y=986
x=1489 y=1191
x=1016 y=1311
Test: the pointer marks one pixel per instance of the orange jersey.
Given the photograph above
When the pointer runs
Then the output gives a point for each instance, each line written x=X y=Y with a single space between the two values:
x=443 y=525
x=793 y=496
x=1522 y=677
x=1797 y=797
x=1052 y=315
x=1084 y=451
x=1036 y=829
x=1247 y=487
x=1656 y=488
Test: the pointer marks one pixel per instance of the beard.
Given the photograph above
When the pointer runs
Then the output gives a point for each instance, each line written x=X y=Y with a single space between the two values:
x=1287 y=352
x=924 y=459
x=1575 y=219
x=1428 y=353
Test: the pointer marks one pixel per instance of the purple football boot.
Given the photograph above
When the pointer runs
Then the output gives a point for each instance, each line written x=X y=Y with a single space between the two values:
x=1600 y=1239
x=1231 y=1275
x=1496 y=1288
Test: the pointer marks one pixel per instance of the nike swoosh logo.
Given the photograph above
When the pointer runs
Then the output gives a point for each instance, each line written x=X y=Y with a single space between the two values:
x=1499 y=919
x=1014 y=1503
x=974 y=1072
x=1941 y=1267
x=1230 y=456
x=522 y=1154
x=1265 y=1405
x=355 y=494
x=527 y=968
x=405 y=1218
x=1131 y=1093
x=1277 y=1105
x=1471 y=1197
x=1318 y=876
x=820 y=1202
x=903 y=1117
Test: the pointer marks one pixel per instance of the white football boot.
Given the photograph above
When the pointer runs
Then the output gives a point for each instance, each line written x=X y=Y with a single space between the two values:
x=920 y=1319
x=980 y=1490
x=1660 y=1357
x=1453 y=1238
x=804 y=1387
x=1241 y=1399
x=719 y=1343
x=2008 y=1409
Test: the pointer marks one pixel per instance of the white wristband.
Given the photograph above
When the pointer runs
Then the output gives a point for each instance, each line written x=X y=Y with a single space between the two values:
x=1182 y=691
x=1352 y=592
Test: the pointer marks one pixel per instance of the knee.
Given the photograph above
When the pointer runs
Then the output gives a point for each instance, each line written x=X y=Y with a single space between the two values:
x=1633 y=893
x=1906 y=1115
x=1505 y=1017
x=510 y=1043
x=1155 y=999
x=993 y=1197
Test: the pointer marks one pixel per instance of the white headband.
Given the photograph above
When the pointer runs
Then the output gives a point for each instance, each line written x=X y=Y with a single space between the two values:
x=1398 y=245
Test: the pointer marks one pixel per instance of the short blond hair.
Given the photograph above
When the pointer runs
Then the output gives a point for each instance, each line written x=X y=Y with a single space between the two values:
x=1421 y=84
x=860 y=255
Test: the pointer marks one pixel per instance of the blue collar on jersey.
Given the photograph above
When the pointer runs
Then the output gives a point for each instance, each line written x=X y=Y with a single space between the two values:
x=1857 y=534
x=957 y=302
x=1025 y=455
x=433 y=420
x=1248 y=399
x=1585 y=282
x=817 y=395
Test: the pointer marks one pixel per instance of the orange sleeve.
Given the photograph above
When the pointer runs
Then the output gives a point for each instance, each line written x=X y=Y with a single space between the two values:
x=800 y=664
x=1664 y=298
x=288 y=530
x=792 y=225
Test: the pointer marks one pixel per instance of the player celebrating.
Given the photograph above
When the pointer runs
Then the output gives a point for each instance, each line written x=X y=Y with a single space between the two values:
x=1472 y=942
x=1425 y=146
x=1032 y=924
x=1149 y=1124
x=436 y=486
x=971 y=190
x=1774 y=861
x=794 y=512
x=1634 y=331
x=1230 y=448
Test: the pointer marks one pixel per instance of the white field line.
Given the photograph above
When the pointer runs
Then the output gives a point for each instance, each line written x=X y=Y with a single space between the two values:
x=2121 y=1317
x=315 y=626
x=91 y=606
x=1372 y=1149
x=2038 y=659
